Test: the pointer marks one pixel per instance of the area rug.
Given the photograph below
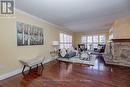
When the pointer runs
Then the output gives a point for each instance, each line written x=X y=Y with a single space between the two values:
x=76 y=59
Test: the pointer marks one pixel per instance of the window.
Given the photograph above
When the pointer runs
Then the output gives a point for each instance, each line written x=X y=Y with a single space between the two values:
x=89 y=39
x=102 y=39
x=65 y=41
x=93 y=41
x=84 y=39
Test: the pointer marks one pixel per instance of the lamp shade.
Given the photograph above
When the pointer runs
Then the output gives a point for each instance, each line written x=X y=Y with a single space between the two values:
x=55 y=43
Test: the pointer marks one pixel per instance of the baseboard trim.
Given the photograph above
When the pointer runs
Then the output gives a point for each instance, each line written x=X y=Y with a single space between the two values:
x=10 y=74
x=18 y=71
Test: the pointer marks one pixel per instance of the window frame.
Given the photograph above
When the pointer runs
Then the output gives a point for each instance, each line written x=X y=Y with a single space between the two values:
x=87 y=44
x=67 y=41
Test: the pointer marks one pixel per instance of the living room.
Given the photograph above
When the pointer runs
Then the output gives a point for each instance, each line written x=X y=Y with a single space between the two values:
x=65 y=43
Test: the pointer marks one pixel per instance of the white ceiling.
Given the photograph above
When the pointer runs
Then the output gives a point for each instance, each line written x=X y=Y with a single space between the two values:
x=77 y=15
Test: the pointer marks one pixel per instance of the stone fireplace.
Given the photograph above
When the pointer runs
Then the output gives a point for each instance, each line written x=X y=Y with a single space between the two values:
x=119 y=52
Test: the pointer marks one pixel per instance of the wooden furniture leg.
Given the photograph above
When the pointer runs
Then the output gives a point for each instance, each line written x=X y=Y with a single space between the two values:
x=42 y=65
x=23 y=68
x=30 y=68
x=37 y=66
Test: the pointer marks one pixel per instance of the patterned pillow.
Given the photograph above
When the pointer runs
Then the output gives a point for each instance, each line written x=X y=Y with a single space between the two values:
x=63 y=52
x=67 y=53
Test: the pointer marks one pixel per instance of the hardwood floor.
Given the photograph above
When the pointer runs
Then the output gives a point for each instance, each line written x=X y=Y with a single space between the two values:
x=72 y=75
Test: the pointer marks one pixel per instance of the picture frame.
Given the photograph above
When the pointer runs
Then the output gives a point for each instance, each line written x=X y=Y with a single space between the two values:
x=28 y=35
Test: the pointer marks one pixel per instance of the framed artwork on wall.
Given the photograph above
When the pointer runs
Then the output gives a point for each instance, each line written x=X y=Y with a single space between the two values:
x=28 y=35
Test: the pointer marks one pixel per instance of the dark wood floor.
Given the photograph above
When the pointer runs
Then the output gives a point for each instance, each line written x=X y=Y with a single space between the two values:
x=55 y=75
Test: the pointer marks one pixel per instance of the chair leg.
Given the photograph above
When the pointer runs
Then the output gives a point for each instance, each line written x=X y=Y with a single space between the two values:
x=23 y=68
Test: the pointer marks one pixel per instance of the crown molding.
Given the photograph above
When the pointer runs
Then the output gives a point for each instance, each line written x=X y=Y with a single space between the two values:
x=42 y=20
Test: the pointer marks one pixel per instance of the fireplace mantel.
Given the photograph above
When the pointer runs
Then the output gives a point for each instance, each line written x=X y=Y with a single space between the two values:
x=121 y=40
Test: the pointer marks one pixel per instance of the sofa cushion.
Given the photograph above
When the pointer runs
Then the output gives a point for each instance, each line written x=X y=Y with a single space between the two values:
x=63 y=52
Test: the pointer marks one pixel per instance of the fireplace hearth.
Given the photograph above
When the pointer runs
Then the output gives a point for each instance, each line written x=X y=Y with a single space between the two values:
x=120 y=53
